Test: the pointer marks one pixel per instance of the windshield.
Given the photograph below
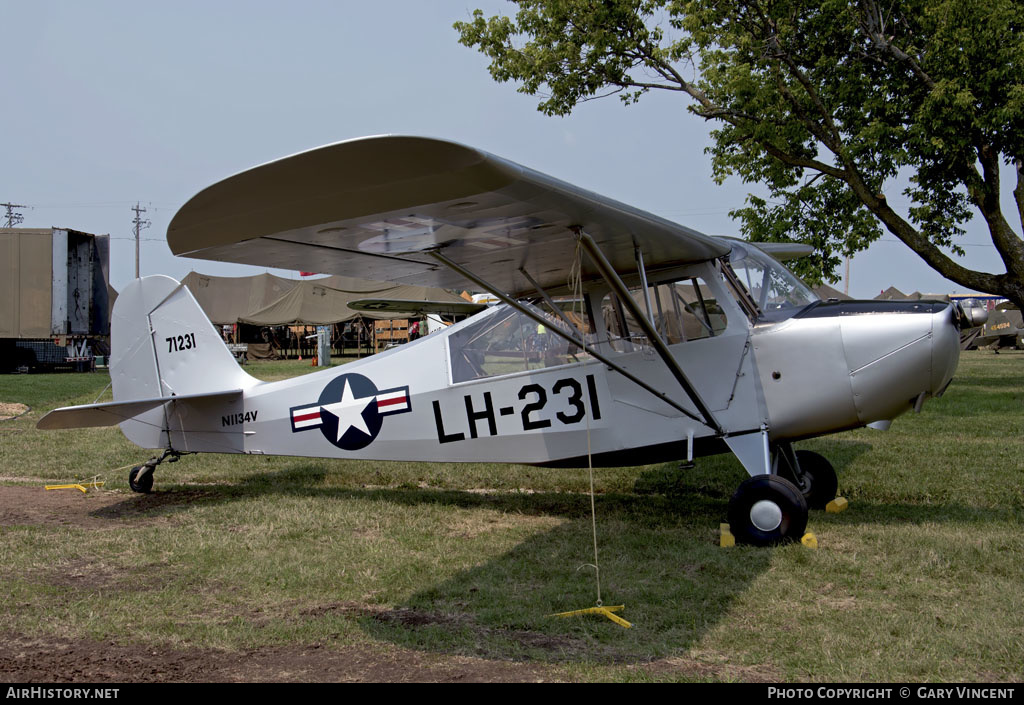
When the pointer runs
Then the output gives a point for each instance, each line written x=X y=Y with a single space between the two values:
x=777 y=291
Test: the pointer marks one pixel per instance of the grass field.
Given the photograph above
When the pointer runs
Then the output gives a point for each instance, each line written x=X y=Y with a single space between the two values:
x=922 y=579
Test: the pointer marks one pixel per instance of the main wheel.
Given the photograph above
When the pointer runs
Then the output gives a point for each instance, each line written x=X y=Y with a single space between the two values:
x=767 y=509
x=820 y=484
x=143 y=484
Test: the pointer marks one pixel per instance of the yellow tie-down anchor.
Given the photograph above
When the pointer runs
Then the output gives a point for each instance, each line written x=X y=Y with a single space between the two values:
x=608 y=612
x=77 y=486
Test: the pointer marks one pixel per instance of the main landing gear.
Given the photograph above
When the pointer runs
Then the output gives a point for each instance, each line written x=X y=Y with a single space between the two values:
x=772 y=508
x=812 y=474
x=140 y=477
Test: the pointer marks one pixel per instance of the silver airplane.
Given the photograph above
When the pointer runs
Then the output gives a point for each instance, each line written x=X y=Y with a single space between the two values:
x=623 y=338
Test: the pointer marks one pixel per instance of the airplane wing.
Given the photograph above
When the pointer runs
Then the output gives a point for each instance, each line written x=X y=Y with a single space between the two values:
x=408 y=306
x=784 y=251
x=374 y=207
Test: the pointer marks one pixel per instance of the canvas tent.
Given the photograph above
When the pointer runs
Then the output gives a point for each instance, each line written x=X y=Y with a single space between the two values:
x=312 y=303
x=226 y=299
x=268 y=300
x=305 y=303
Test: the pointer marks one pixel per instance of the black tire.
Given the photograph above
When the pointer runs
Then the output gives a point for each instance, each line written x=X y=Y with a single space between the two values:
x=143 y=485
x=820 y=480
x=766 y=510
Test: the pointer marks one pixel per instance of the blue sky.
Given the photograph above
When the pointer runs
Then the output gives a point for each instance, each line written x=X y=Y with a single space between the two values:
x=108 y=103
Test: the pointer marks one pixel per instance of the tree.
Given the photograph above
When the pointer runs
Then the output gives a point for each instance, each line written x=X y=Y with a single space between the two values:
x=826 y=103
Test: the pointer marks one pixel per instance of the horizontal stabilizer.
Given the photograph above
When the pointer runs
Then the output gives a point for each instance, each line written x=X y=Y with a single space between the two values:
x=114 y=412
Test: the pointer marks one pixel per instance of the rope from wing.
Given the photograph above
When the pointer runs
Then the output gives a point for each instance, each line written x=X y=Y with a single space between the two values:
x=576 y=286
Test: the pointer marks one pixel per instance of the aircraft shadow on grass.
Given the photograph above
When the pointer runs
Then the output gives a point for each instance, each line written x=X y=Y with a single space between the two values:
x=659 y=556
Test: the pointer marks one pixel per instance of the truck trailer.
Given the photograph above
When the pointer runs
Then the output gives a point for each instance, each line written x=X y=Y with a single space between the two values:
x=55 y=298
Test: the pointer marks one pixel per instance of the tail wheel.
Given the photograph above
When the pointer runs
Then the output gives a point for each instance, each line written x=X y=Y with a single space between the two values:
x=766 y=510
x=819 y=482
x=139 y=481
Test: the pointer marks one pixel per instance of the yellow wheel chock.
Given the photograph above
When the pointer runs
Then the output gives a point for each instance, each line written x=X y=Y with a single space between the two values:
x=837 y=505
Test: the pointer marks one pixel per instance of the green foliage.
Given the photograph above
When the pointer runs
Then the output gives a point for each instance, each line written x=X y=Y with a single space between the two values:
x=825 y=103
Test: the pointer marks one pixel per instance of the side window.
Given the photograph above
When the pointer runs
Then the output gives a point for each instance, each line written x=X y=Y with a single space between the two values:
x=683 y=310
x=508 y=341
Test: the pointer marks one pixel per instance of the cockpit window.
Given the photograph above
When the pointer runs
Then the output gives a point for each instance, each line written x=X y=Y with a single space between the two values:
x=778 y=293
x=506 y=341
x=683 y=310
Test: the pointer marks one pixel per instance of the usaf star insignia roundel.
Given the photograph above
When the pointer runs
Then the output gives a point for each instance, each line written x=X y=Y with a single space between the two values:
x=350 y=411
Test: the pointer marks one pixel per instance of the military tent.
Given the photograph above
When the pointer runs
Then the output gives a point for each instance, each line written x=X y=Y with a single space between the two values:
x=226 y=299
x=268 y=300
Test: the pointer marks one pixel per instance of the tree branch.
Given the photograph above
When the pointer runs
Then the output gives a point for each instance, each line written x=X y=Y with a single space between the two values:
x=1018 y=192
x=804 y=163
x=986 y=198
x=919 y=243
x=873 y=25
x=833 y=140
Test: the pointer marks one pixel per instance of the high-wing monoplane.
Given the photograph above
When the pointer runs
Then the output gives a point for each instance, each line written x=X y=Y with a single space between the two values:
x=623 y=338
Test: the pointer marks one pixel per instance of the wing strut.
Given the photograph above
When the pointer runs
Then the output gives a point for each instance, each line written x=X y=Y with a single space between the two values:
x=551 y=304
x=608 y=272
x=639 y=255
x=563 y=334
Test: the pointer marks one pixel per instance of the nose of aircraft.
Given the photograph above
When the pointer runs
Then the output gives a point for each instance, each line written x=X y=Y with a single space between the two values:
x=945 y=349
x=897 y=356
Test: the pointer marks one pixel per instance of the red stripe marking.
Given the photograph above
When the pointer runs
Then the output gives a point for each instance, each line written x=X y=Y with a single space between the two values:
x=389 y=402
x=306 y=417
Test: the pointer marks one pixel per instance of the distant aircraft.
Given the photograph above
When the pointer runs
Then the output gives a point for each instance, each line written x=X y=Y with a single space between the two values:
x=668 y=344
x=999 y=328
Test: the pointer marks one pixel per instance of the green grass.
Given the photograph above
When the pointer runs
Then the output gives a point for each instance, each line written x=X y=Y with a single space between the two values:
x=921 y=579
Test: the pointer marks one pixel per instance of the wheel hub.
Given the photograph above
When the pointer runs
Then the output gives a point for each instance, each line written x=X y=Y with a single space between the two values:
x=766 y=515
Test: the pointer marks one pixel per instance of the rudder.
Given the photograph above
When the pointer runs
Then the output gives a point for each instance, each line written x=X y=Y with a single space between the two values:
x=163 y=345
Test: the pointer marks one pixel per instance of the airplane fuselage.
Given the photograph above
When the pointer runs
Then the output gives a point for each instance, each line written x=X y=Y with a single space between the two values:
x=458 y=395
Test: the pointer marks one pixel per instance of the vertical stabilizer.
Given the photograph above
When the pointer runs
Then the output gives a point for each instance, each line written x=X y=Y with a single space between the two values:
x=163 y=345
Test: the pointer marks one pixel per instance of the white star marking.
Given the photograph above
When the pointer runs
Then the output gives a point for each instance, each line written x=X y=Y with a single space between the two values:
x=349 y=411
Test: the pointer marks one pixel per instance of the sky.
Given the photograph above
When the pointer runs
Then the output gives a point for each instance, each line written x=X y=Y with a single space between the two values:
x=111 y=103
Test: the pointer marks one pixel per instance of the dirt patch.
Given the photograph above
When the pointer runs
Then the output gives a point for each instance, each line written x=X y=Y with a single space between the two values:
x=53 y=660
x=95 y=509
x=36 y=506
x=10 y=410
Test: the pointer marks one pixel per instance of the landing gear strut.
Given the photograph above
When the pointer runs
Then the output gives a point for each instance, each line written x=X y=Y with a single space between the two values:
x=140 y=477
x=811 y=472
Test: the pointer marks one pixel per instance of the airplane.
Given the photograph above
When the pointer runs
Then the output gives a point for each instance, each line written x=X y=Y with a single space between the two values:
x=622 y=339
x=1000 y=328
x=431 y=311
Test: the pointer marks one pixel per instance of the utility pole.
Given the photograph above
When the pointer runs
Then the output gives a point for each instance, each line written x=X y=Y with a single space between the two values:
x=12 y=218
x=846 y=279
x=140 y=224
